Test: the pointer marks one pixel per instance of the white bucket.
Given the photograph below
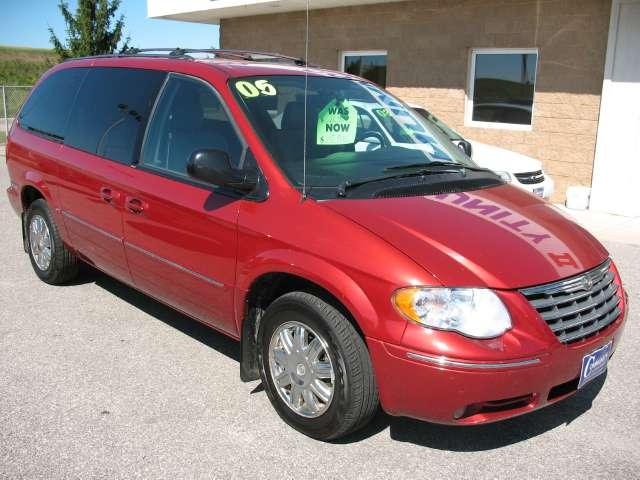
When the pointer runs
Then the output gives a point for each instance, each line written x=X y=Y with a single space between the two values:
x=578 y=198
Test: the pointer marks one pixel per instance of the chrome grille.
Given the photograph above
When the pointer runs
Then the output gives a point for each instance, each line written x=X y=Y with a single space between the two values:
x=578 y=307
x=530 y=178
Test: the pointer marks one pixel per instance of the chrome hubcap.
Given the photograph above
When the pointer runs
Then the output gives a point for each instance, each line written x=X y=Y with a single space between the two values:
x=301 y=369
x=40 y=242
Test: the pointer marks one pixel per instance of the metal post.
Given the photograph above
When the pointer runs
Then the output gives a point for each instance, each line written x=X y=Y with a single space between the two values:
x=6 y=115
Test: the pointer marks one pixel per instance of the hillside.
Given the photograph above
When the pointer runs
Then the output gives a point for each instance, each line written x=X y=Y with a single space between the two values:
x=23 y=66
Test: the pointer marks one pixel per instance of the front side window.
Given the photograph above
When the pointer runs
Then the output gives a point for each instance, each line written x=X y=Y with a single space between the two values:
x=371 y=65
x=47 y=109
x=353 y=131
x=189 y=116
x=501 y=88
x=111 y=111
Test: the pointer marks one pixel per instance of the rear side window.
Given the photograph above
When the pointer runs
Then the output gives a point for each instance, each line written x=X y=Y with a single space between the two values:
x=47 y=109
x=111 y=111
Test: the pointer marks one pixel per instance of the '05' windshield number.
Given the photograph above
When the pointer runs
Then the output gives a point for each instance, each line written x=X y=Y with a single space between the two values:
x=253 y=89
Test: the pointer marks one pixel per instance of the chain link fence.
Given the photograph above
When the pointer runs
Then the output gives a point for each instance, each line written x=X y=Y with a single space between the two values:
x=12 y=98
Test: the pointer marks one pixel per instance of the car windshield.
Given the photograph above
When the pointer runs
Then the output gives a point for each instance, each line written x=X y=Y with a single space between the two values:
x=444 y=128
x=354 y=130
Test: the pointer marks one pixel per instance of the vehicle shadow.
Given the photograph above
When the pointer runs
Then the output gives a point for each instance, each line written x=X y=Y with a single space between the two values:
x=483 y=437
x=440 y=437
x=196 y=330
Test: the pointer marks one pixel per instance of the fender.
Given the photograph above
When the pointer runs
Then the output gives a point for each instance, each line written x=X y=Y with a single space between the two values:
x=308 y=267
x=313 y=269
x=35 y=179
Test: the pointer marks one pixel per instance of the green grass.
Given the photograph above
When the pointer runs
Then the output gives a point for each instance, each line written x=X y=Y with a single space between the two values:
x=15 y=97
x=23 y=66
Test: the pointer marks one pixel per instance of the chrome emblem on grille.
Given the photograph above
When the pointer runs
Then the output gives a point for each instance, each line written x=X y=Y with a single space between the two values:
x=587 y=283
x=564 y=304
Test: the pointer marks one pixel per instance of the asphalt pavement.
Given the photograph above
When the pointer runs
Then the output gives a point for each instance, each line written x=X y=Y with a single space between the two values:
x=99 y=381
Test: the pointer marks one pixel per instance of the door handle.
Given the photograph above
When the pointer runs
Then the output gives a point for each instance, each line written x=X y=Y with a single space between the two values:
x=135 y=205
x=109 y=195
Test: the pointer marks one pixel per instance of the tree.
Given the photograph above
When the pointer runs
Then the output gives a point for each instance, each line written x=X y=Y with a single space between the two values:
x=91 y=31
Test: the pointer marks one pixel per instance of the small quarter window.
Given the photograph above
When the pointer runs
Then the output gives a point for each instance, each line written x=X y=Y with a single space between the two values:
x=371 y=64
x=189 y=116
x=47 y=109
x=501 y=88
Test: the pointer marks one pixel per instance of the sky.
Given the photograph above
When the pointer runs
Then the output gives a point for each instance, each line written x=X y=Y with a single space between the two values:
x=24 y=23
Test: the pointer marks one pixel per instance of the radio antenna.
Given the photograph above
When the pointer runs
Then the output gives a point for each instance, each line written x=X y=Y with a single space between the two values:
x=306 y=82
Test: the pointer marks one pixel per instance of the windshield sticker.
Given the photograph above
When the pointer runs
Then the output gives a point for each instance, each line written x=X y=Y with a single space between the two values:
x=337 y=123
x=258 y=87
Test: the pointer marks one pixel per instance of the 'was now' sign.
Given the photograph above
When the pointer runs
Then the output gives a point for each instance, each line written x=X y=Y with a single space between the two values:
x=337 y=123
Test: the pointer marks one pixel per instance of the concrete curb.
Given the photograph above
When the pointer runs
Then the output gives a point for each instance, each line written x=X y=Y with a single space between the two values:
x=606 y=226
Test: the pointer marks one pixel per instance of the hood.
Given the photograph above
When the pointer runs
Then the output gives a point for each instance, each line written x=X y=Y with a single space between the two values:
x=500 y=237
x=502 y=160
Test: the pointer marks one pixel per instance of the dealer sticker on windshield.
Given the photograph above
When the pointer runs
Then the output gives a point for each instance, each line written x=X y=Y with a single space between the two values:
x=255 y=88
x=594 y=364
x=337 y=123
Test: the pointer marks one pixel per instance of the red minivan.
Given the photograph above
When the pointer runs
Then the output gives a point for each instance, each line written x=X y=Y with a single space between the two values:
x=260 y=197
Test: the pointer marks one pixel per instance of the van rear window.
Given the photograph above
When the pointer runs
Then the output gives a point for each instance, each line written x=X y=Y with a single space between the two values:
x=47 y=109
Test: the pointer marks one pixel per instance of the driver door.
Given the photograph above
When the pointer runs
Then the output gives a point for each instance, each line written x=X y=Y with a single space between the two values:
x=180 y=234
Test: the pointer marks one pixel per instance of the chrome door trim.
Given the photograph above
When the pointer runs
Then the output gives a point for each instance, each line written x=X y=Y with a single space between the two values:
x=210 y=280
x=199 y=276
x=446 y=362
x=91 y=226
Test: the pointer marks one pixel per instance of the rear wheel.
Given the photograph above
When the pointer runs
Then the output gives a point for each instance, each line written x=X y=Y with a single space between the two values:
x=315 y=367
x=50 y=258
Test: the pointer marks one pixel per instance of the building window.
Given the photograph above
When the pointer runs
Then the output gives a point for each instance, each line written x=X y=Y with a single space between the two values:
x=370 y=64
x=501 y=88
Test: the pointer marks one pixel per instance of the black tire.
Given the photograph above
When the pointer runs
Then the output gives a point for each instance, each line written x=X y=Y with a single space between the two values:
x=64 y=264
x=355 y=397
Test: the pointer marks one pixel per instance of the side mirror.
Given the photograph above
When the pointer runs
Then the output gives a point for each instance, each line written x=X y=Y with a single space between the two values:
x=465 y=146
x=213 y=166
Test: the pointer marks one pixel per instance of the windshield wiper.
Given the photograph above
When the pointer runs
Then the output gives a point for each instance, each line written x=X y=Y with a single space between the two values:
x=52 y=136
x=419 y=170
x=349 y=184
x=458 y=167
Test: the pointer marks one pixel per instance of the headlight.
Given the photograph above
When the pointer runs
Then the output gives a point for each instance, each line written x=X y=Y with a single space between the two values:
x=506 y=176
x=475 y=312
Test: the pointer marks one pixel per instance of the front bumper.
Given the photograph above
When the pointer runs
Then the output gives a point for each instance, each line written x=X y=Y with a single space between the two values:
x=547 y=187
x=466 y=391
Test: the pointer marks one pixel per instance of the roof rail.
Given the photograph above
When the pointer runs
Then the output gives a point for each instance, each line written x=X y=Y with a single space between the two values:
x=247 y=55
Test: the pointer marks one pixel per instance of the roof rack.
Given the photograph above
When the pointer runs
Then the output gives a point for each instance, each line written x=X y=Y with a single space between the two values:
x=247 y=55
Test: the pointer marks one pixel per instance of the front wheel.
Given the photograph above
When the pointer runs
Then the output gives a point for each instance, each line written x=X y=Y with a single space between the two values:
x=315 y=367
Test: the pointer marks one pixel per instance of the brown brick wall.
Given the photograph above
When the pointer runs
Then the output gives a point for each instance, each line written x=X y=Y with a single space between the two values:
x=428 y=44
